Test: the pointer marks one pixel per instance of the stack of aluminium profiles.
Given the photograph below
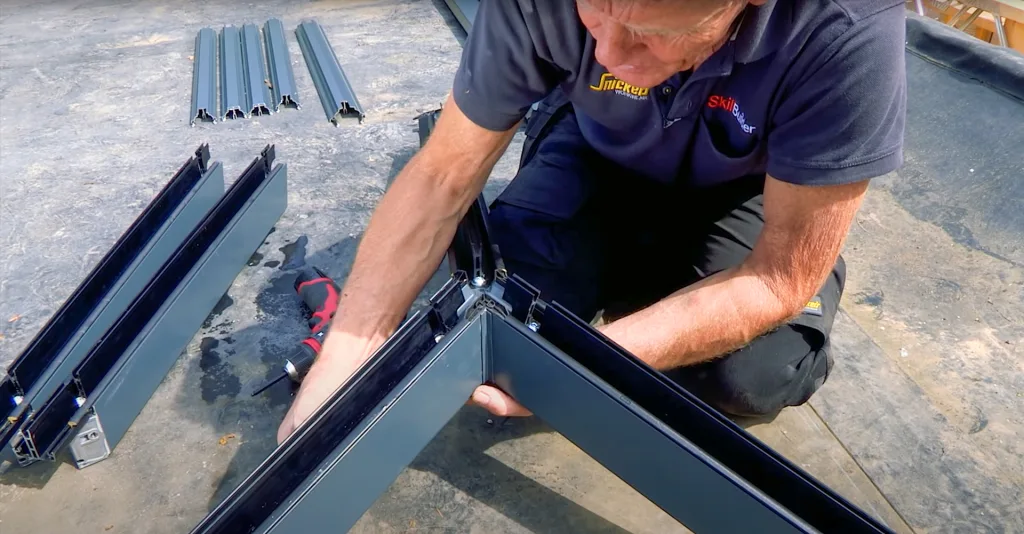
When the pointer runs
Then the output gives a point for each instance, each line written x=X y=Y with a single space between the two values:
x=83 y=379
x=251 y=85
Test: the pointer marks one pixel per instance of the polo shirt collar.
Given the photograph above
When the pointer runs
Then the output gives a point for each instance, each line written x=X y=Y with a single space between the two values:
x=760 y=31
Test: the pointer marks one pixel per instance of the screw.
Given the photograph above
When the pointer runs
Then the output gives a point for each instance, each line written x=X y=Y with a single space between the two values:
x=438 y=338
x=79 y=401
x=479 y=281
x=533 y=325
x=18 y=399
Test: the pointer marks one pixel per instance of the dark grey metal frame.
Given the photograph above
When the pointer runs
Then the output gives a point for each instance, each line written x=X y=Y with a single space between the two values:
x=97 y=401
x=282 y=77
x=204 y=78
x=682 y=455
x=332 y=85
x=114 y=405
x=109 y=289
x=485 y=327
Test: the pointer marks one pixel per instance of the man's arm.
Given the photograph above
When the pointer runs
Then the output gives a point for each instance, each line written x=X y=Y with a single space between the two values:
x=805 y=228
x=413 y=225
x=404 y=243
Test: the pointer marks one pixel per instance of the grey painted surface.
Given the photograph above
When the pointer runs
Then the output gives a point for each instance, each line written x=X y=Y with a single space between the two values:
x=93 y=105
x=193 y=208
x=123 y=394
x=402 y=425
x=649 y=456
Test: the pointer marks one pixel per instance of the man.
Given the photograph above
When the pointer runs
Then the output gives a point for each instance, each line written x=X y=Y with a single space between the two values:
x=692 y=172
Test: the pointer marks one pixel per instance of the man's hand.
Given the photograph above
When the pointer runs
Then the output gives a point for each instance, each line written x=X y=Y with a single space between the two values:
x=804 y=230
x=339 y=358
x=497 y=402
x=405 y=241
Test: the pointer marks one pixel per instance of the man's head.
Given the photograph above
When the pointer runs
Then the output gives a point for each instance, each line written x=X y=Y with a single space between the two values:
x=644 y=42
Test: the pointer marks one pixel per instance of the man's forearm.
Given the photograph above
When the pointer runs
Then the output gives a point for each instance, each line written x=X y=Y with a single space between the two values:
x=705 y=320
x=404 y=243
x=411 y=229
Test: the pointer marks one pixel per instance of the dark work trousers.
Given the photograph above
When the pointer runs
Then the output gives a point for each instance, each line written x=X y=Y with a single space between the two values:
x=594 y=238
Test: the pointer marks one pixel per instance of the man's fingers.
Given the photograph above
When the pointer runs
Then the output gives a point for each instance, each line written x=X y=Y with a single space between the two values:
x=498 y=403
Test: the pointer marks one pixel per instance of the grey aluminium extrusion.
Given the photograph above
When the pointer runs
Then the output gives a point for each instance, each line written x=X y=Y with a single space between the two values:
x=331 y=84
x=257 y=93
x=282 y=77
x=108 y=290
x=204 y=78
x=690 y=461
x=119 y=375
x=464 y=11
x=233 y=102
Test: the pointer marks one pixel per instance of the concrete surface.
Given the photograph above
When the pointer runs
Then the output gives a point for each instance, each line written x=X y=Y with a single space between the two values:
x=94 y=103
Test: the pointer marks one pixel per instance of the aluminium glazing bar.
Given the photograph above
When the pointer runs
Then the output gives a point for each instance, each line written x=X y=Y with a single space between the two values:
x=108 y=289
x=232 y=79
x=747 y=461
x=254 y=72
x=269 y=491
x=122 y=394
x=204 y=78
x=660 y=464
x=282 y=77
x=336 y=94
x=389 y=438
x=47 y=429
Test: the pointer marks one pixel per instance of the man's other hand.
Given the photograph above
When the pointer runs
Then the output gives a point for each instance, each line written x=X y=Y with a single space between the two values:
x=498 y=402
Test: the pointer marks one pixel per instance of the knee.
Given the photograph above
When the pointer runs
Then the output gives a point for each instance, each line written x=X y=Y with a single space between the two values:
x=781 y=369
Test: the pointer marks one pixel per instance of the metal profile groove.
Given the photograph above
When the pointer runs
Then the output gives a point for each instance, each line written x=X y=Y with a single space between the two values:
x=255 y=74
x=282 y=77
x=332 y=85
x=233 y=101
x=204 y=78
x=121 y=372
x=108 y=289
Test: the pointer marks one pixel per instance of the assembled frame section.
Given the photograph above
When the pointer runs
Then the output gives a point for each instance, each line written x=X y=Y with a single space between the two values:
x=678 y=452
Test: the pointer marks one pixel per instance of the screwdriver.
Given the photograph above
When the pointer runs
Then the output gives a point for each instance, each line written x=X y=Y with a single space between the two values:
x=320 y=294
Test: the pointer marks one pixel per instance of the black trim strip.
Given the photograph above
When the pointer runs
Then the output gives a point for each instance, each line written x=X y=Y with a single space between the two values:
x=270 y=484
x=282 y=77
x=705 y=427
x=101 y=359
x=37 y=360
x=332 y=85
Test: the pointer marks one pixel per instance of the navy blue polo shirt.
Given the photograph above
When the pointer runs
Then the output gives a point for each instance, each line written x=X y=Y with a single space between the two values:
x=807 y=91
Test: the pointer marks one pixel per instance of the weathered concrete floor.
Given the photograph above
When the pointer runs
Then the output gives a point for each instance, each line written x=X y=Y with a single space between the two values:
x=93 y=120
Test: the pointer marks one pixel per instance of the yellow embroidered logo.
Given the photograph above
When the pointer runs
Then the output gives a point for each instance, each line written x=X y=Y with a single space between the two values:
x=611 y=83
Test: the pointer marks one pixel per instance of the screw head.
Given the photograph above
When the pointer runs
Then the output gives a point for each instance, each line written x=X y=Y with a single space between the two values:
x=18 y=400
x=479 y=281
x=533 y=325
x=79 y=401
x=438 y=338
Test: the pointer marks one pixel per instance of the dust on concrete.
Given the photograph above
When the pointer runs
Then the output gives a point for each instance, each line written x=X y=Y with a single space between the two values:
x=954 y=328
